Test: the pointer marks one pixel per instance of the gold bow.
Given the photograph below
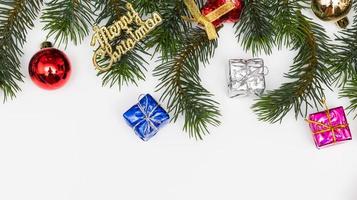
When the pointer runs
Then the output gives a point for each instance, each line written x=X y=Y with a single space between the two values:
x=329 y=126
x=207 y=20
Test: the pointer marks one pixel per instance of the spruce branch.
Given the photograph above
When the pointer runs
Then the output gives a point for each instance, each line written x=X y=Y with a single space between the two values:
x=309 y=73
x=68 y=20
x=109 y=11
x=283 y=22
x=16 y=18
x=130 y=68
x=345 y=62
x=181 y=87
x=168 y=37
x=255 y=30
x=350 y=91
x=148 y=6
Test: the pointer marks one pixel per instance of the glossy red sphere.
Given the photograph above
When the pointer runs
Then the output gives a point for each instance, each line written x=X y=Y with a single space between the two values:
x=50 y=68
x=233 y=16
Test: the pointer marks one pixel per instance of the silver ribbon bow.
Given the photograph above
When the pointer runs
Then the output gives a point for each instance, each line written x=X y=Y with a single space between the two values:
x=252 y=75
x=147 y=117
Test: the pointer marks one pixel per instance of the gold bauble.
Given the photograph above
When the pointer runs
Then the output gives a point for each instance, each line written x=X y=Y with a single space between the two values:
x=332 y=10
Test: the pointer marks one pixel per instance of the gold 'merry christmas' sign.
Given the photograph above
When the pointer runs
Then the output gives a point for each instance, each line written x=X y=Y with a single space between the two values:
x=104 y=35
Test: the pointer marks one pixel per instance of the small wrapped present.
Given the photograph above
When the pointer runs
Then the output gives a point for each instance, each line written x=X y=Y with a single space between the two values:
x=246 y=77
x=329 y=127
x=146 y=117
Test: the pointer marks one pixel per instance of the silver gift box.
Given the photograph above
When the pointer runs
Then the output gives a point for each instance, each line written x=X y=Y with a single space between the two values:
x=246 y=77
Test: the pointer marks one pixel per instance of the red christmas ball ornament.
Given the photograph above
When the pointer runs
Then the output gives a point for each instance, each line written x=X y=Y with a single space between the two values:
x=233 y=16
x=49 y=68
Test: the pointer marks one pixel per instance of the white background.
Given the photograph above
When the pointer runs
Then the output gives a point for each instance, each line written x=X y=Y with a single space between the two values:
x=73 y=144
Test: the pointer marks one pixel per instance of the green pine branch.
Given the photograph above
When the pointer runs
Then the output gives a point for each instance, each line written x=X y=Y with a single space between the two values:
x=109 y=11
x=16 y=18
x=181 y=87
x=68 y=20
x=283 y=22
x=309 y=73
x=168 y=37
x=345 y=63
x=350 y=91
x=255 y=30
x=129 y=70
x=345 y=59
x=148 y=6
x=131 y=67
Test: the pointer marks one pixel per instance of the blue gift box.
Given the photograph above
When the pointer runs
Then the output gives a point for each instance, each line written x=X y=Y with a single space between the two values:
x=146 y=117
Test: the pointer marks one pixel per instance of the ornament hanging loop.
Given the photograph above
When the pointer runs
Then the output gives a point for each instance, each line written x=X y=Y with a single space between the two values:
x=266 y=71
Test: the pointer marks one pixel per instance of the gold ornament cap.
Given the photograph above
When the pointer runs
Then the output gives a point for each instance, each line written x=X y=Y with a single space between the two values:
x=343 y=23
x=46 y=44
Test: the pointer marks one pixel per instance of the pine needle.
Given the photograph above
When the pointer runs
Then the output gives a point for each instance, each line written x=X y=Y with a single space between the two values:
x=16 y=18
x=181 y=88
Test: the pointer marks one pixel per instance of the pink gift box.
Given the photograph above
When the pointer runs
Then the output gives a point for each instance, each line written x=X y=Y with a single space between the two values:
x=330 y=131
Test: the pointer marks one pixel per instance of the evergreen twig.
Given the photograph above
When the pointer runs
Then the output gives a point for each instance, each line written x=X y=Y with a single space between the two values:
x=68 y=20
x=168 y=37
x=16 y=18
x=149 y=6
x=345 y=63
x=255 y=30
x=309 y=74
x=350 y=91
x=181 y=88
x=345 y=59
